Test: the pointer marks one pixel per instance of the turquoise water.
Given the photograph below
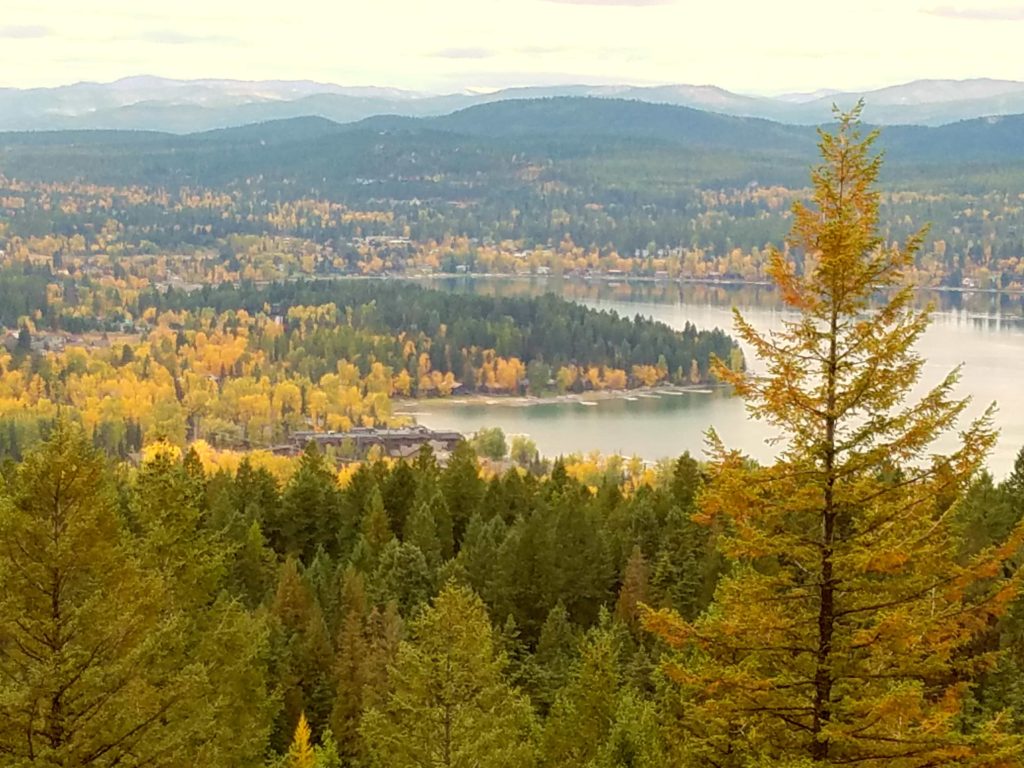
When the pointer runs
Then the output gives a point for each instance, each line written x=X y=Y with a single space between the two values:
x=982 y=332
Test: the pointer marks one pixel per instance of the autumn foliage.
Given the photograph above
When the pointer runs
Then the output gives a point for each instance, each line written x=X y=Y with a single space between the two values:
x=849 y=629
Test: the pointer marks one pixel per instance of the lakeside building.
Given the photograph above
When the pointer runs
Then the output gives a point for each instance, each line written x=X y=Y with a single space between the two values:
x=398 y=443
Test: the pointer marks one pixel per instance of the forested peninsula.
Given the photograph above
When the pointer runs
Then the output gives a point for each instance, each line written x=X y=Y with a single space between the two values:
x=242 y=367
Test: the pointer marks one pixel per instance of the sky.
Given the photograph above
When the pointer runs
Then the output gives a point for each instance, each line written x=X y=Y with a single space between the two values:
x=749 y=46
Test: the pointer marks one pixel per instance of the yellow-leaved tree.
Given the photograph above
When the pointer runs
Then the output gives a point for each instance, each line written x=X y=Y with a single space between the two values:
x=300 y=754
x=845 y=631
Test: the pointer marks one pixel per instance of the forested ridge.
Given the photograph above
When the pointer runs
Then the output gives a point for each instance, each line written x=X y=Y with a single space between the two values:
x=569 y=185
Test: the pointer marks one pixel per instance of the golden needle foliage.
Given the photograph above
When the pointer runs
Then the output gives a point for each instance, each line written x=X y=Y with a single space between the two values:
x=300 y=754
x=845 y=632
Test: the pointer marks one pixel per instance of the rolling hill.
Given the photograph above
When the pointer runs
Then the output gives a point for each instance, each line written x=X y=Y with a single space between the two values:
x=490 y=144
x=188 y=106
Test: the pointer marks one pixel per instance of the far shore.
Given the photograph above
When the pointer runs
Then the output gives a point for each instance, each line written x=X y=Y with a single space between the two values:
x=408 y=405
x=688 y=280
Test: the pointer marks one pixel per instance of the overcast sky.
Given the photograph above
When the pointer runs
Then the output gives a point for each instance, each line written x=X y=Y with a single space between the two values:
x=752 y=46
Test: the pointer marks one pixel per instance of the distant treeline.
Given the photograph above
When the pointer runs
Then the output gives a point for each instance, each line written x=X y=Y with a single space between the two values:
x=22 y=292
x=457 y=329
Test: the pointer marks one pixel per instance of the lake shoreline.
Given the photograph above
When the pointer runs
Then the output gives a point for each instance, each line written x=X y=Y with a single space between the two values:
x=407 y=406
x=989 y=343
x=680 y=281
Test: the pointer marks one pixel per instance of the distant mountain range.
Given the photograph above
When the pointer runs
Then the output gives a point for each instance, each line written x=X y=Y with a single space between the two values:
x=188 y=106
x=586 y=142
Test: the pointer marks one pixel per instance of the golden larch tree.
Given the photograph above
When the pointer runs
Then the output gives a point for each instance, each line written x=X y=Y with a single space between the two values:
x=300 y=753
x=842 y=634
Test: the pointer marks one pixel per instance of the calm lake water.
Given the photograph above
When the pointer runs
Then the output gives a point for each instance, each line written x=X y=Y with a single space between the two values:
x=983 y=332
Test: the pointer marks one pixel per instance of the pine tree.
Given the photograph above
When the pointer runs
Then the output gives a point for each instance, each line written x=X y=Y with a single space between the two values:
x=431 y=500
x=194 y=479
x=253 y=493
x=1013 y=486
x=584 y=711
x=635 y=738
x=421 y=531
x=384 y=632
x=293 y=602
x=986 y=516
x=634 y=591
x=479 y=555
x=577 y=570
x=101 y=662
x=326 y=753
x=352 y=670
x=463 y=489
x=556 y=652
x=375 y=528
x=509 y=643
x=686 y=481
x=514 y=496
x=234 y=645
x=217 y=636
x=450 y=704
x=251 y=567
x=842 y=633
x=401 y=576
x=399 y=492
x=316 y=665
x=521 y=564
x=309 y=509
x=323 y=578
x=685 y=568
x=302 y=652
x=644 y=523
x=171 y=534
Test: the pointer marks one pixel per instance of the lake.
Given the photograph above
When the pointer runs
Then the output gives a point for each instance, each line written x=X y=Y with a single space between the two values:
x=984 y=332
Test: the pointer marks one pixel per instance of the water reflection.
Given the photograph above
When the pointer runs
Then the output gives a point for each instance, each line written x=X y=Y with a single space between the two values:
x=983 y=332
x=982 y=305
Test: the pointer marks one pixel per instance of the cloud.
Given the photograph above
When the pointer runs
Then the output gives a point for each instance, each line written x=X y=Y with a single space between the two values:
x=464 y=53
x=24 y=32
x=541 y=50
x=992 y=13
x=492 y=81
x=177 y=37
x=613 y=2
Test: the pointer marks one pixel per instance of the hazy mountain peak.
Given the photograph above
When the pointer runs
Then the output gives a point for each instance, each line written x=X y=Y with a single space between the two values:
x=157 y=103
x=939 y=91
x=803 y=98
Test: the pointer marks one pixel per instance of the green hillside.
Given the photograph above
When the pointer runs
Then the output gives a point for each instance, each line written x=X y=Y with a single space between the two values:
x=491 y=142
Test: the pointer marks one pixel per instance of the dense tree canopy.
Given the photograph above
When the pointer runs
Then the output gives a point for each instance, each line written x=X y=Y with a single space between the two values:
x=184 y=595
x=115 y=649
